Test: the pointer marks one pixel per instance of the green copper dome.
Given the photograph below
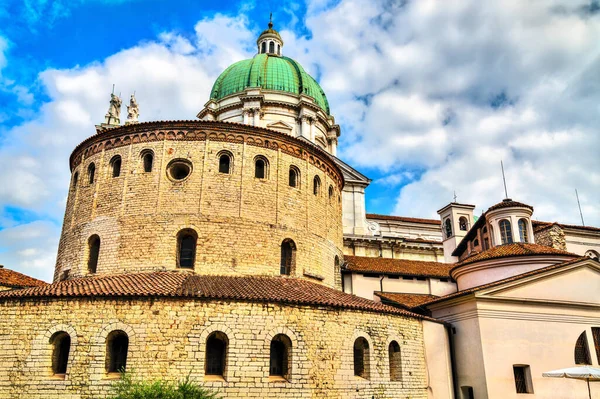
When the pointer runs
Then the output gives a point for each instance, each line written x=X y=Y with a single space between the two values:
x=268 y=72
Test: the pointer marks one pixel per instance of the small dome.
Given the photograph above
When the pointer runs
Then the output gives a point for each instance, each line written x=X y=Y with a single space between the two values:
x=269 y=72
x=509 y=203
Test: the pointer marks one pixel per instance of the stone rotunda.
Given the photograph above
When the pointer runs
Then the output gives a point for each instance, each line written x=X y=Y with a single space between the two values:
x=212 y=248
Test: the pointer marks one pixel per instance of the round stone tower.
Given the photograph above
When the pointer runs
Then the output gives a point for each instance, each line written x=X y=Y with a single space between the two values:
x=211 y=196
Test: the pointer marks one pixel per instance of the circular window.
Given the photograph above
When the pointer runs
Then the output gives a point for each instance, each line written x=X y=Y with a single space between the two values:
x=179 y=169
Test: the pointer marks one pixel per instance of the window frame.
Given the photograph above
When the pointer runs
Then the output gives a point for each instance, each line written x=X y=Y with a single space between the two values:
x=296 y=172
x=184 y=234
x=93 y=254
x=265 y=162
x=115 y=359
x=523 y=230
x=505 y=227
x=522 y=377
x=60 y=353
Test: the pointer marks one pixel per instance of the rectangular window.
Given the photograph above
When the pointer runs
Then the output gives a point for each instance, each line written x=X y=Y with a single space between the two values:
x=523 y=382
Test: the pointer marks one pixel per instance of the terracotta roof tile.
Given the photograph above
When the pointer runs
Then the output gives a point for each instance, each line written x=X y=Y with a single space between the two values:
x=10 y=278
x=508 y=203
x=509 y=250
x=403 y=219
x=405 y=267
x=186 y=284
x=406 y=300
x=506 y=280
x=538 y=225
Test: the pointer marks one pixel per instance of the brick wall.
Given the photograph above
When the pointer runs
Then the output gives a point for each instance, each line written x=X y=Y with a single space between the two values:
x=167 y=340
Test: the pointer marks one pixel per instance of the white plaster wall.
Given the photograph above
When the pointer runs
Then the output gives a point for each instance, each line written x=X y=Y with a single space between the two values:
x=365 y=286
x=580 y=243
x=437 y=358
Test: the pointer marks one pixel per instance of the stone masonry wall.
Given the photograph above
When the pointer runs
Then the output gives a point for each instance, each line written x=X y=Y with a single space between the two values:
x=240 y=220
x=551 y=237
x=167 y=339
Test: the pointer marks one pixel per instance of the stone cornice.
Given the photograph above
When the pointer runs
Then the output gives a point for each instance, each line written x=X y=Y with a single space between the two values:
x=206 y=130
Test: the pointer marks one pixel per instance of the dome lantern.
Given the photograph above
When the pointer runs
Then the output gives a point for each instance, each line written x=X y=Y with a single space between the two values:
x=270 y=42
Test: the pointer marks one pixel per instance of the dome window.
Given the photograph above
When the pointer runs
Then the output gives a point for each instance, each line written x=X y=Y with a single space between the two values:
x=147 y=160
x=505 y=232
x=294 y=177
x=316 y=185
x=271 y=47
x=91 y=173
x=523 y=230
x=263 y=47
x=225 y=162
x=115 y=164
x=261 y=168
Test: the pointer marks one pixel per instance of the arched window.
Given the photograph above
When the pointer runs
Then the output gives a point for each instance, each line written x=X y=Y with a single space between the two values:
x=330 y=192
x=395 y=361
x=75 y=179
x=280 y=354
x=288 y=257
x=463 y=224
x=278 y=49
x=294 y=179
x=148 y=161
x=186 y=248
x=505 y=232
x=271 y=47
x=316 y=185
x=225 y=163
x=582 y=351
x=91 y=172
x=523 y=235
x=115 y=164
x=61 y=345
x=216 y=354
x=93 y=253
x=361 y=358
x=261 y=167
x=263 y=47
x=117 y=343
x=448 y=226
x=592 y=254
x=484 y=230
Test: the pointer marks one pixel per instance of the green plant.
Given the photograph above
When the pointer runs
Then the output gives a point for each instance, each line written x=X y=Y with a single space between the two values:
x=129 y=387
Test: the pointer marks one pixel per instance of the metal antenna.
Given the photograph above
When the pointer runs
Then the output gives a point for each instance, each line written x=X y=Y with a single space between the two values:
x=504 y=179
x=579 y=205
x=113 y=91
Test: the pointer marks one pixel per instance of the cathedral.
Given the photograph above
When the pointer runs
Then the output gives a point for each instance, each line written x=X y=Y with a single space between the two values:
x=236 y=249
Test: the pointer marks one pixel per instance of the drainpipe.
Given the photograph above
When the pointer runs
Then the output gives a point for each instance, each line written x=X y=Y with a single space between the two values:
x=381 y=283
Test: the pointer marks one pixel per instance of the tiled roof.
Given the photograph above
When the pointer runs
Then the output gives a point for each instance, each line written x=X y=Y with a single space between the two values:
x=508 y=203
x=506 y=280
x=404 y=267
x=516 y=249
x=10 y=278
x=185 y=284
x=406 y=300
x=538 y=225
x=403 y=219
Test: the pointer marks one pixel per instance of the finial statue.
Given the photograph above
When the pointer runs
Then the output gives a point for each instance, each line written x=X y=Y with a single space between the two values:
x=133 y=111
x=113 y=117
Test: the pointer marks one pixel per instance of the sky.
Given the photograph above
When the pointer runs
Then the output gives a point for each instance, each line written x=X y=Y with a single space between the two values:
x=430 y=96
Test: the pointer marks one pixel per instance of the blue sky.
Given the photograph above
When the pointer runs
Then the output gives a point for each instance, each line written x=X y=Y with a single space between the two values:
x=430 y=96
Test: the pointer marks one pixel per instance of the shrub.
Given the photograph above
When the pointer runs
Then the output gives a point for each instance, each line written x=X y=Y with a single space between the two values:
x=128 y=388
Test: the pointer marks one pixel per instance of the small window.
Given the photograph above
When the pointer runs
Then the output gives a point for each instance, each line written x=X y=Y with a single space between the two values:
x=582 y=351
x=93 y=253
x=117 y=344
x=115 y=165
x=278 y=49
x=75 y=179
x=279 y=358
x=179 y=169
x=148 y=161
x=395 y=361
x=361 y=358
x=476 y=242
x=463 y=224
x=484 y=229
x=523 y=235
x=91 y=173
x=61 y=345
x=523 y=382
x=216 y=354
x=260 y=168
x=448 y=226
x=330 y=192
x=186 y=248
x=294 y=177
x=263 y=47
x=288 y=257
x=467 y=393
x=486 y=243
x=272 y=47
x=505 y=232
x=225 y=163
x=316 y=185
x=596 y=336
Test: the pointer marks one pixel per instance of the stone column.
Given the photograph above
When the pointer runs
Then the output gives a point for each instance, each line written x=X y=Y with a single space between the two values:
x=245 y=114
x=256 y=116
x=305 y=127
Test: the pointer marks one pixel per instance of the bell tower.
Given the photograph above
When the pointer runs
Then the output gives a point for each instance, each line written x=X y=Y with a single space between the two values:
x=457 y=220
